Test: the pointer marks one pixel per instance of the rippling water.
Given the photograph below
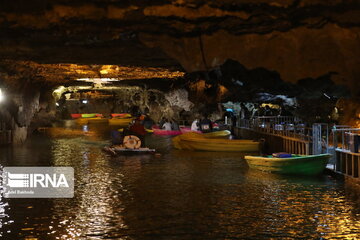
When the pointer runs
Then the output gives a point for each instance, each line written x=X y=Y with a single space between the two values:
x=178 y=195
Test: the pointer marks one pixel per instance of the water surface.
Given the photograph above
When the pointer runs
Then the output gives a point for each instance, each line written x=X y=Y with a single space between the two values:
x=178 y=195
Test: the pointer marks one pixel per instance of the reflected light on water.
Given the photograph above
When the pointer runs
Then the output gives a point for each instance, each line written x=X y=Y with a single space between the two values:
x=97 y=189
x=85 y=128
x=4 y=205
x=178 y=195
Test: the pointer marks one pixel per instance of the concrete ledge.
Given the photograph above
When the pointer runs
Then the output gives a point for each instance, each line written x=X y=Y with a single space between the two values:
x=335 y=174
x=351 y=182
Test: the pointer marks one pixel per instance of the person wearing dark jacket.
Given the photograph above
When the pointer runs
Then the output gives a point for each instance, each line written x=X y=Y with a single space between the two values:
x=148 y=122
x=205 y=124
x=138 y=129
x=174 y=125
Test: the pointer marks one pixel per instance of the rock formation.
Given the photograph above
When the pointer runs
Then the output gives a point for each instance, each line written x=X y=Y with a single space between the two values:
x=275 y=45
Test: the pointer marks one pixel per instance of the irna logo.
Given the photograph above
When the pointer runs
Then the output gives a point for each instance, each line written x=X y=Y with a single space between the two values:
x=17 y=180
x=38 y=182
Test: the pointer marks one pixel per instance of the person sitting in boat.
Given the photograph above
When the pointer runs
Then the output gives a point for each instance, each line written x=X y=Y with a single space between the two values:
x=162 y=121
x=195 y=125
x=205 y=124
x=167 y=125
x=175 y=126
x=117 y=137
x=142 y=117
x=148 y=122
x=215 y=126
x=138 y=129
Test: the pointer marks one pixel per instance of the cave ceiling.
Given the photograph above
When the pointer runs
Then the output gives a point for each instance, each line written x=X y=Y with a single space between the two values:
x=62 y=40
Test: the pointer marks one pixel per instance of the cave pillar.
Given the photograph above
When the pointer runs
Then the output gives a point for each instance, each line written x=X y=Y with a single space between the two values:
x=17 y=112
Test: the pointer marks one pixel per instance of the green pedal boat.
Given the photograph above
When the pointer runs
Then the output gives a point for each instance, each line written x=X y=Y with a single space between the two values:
x=296 y=164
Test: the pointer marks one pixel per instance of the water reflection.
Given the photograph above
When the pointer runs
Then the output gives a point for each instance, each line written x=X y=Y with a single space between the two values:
x=4 y=217
x=178 y=195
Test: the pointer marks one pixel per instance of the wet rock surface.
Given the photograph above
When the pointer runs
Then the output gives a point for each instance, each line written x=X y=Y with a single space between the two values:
x=237 y=51
x=297 y=39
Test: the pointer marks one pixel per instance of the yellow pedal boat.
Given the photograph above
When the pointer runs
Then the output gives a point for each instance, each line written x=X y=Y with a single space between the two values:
x=201 y=142
x=120 y=121
x=98 y=120
x=91 y=120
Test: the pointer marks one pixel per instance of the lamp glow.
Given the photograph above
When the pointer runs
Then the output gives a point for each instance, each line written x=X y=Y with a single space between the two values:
x=1 y=96
x=98 y=80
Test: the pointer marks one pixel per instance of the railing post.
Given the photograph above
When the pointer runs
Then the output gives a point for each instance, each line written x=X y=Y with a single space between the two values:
x=307 y=149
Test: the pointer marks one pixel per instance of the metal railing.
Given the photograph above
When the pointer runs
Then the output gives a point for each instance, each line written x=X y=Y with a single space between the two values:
x=339 y=133
x=342 y=141
x=286 y=133
x=346 y=158
x=282 y=126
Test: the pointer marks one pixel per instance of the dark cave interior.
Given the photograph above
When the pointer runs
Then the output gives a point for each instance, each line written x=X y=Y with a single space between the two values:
x=178 y=58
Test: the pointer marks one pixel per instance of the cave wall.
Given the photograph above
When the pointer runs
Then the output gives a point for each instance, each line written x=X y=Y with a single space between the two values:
x=348 y=112
x=55 y=42
x=173 y=103
x=17 y=112
x=23 y=110
x=296 y=38
x=298 y=53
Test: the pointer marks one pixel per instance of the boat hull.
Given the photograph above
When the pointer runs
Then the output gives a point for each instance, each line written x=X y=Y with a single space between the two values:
x=120 y=121
x=122 y=150
x=165 y=132
x=300 y=165
x=82 y=120
x=75 y=115
x=91 y=120
x=217 y=134
x=98 y=120
x=121 y=115
x=88 y=115
x=199 y=142
x=223 y=146
x=187 y=129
